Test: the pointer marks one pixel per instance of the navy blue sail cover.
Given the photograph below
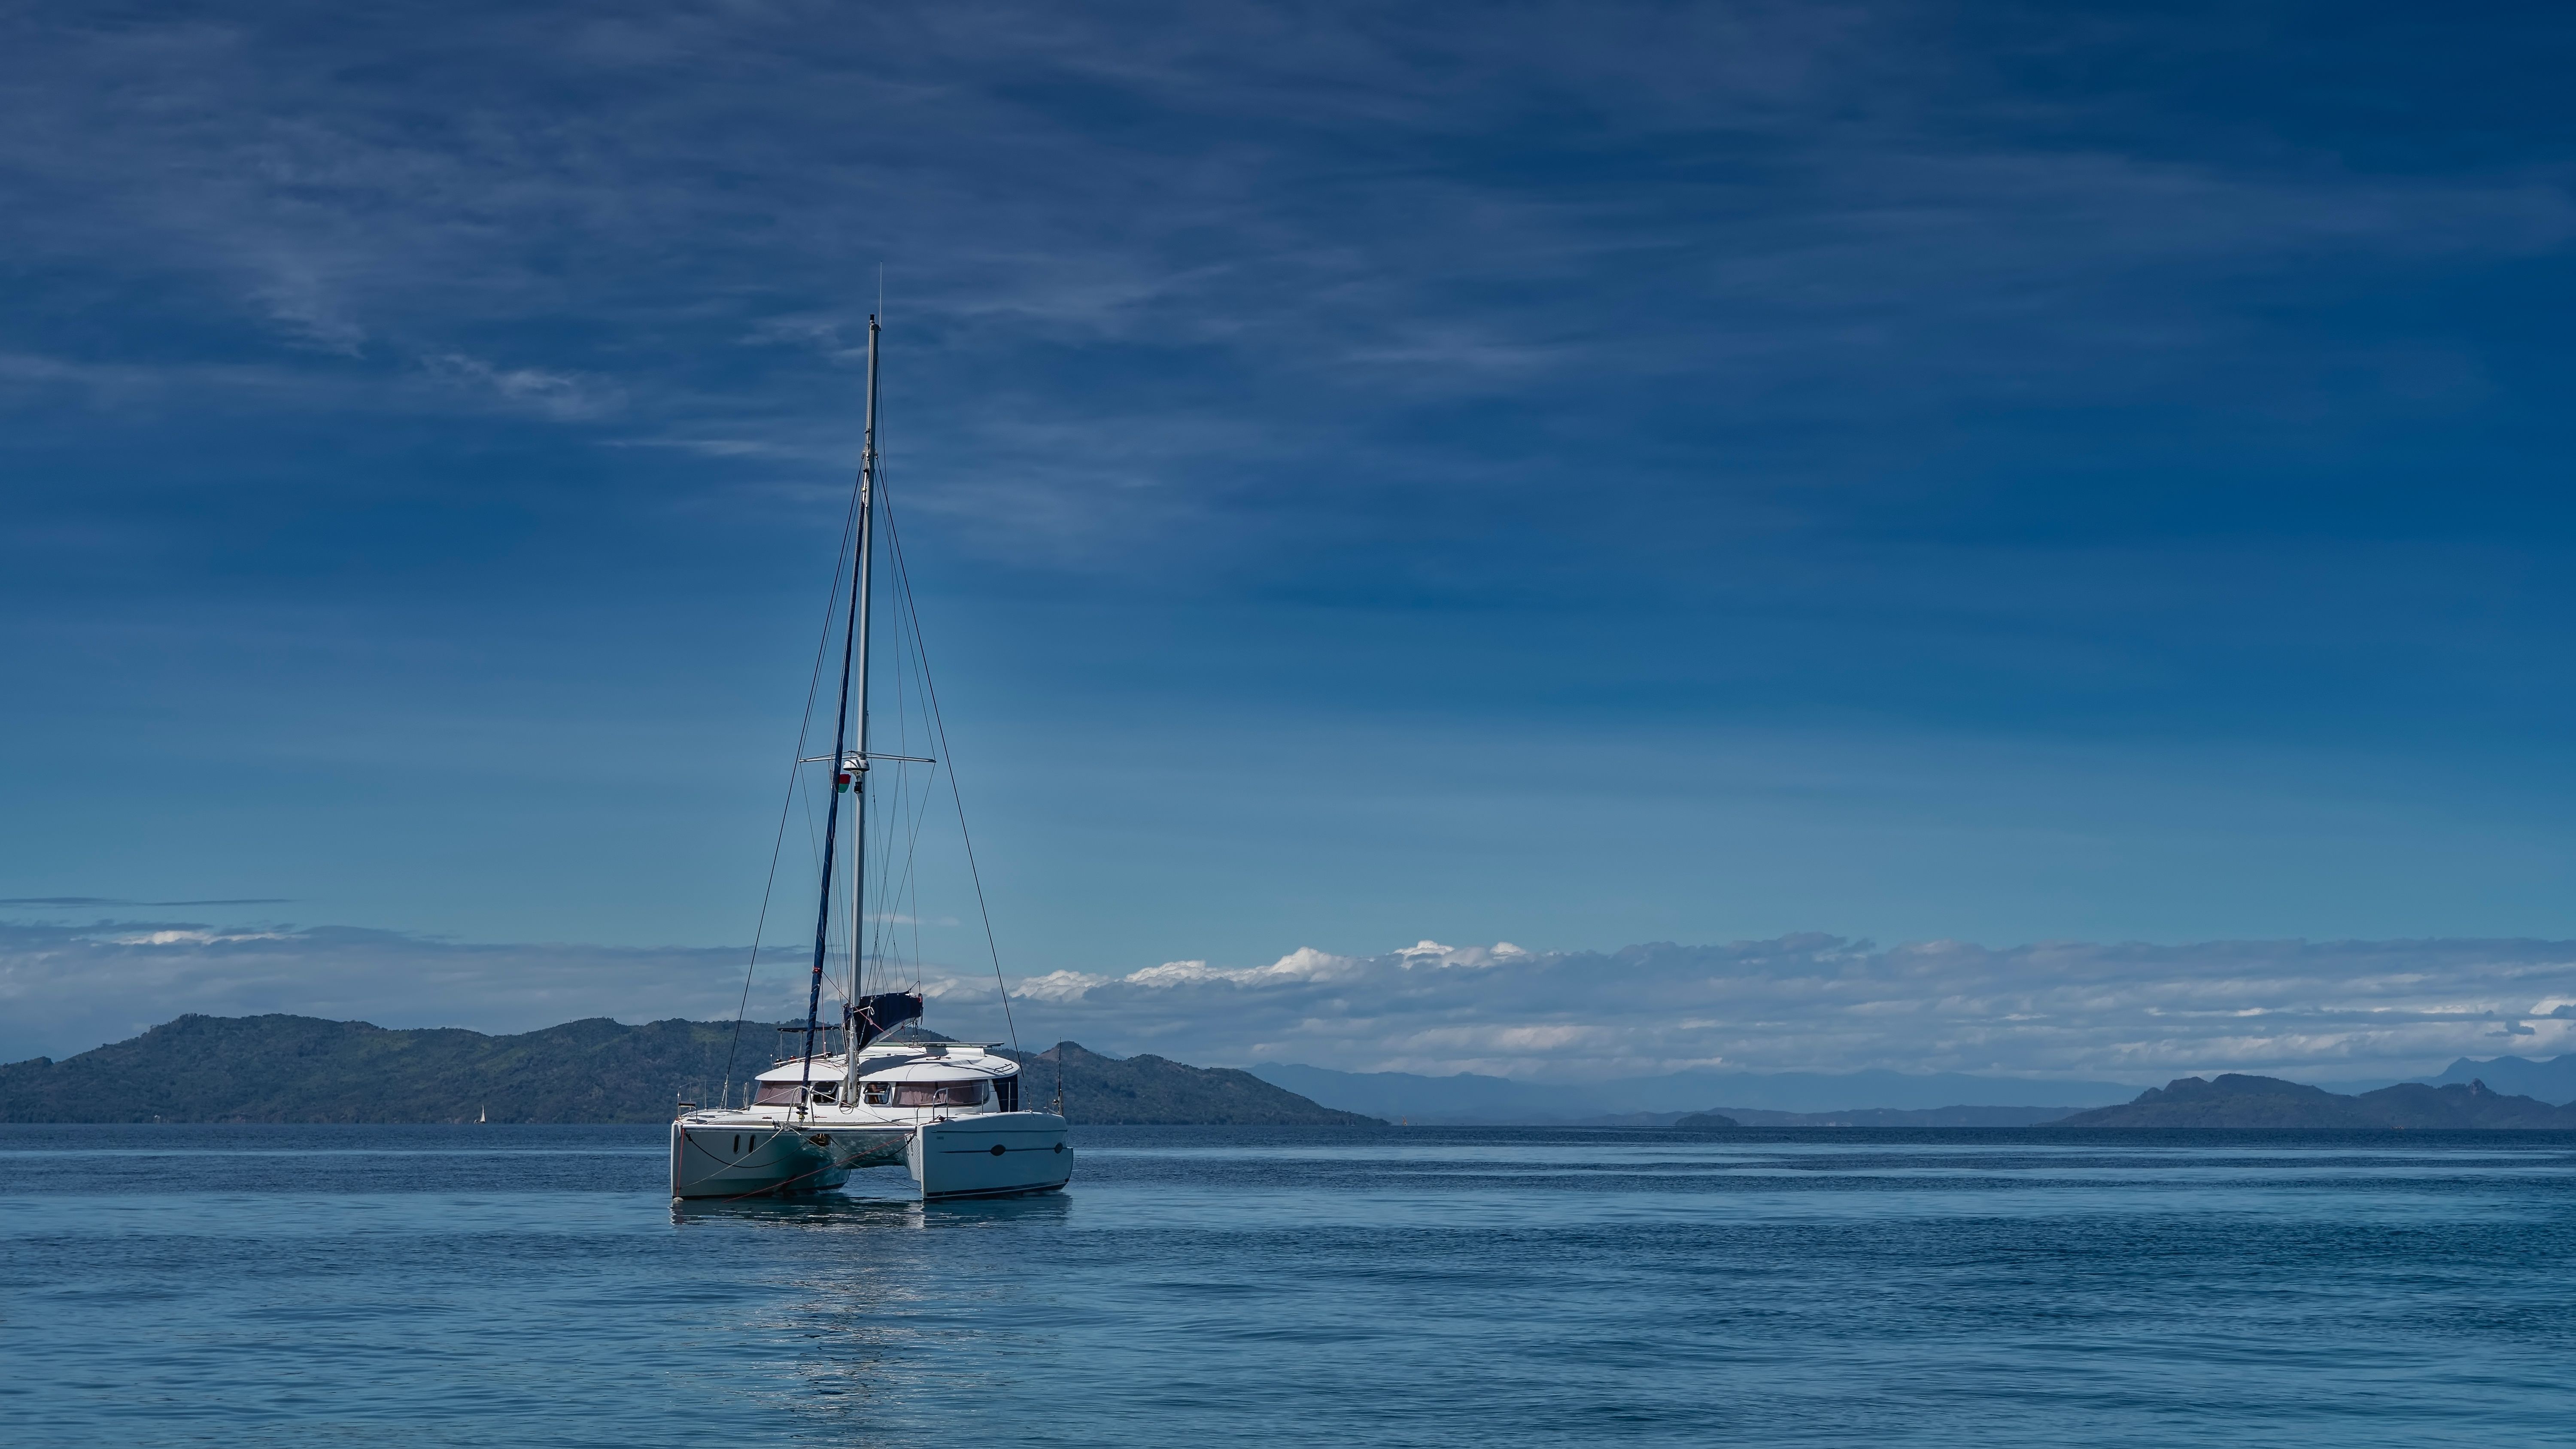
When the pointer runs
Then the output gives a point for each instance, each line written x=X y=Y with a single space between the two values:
x=874 y=1016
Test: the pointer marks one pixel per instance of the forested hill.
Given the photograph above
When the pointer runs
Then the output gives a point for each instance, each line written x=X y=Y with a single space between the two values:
x=1141 y=1090
x=2242 y=1101
x=304 y=1069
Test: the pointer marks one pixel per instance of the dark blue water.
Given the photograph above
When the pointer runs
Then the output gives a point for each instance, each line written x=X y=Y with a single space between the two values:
x=395 y=1286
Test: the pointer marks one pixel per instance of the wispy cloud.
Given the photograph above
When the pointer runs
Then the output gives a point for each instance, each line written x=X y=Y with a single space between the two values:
x=114 y=901
x=66 y=988
x=1354 y=215
x=1821 y=1003
x=565 y=396
x=1810 y=1003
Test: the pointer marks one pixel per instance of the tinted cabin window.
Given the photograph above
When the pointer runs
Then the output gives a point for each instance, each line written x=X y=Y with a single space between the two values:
x=966 y=1093
x=776 y=1094
x=876 y=1094
x=1006 y=1094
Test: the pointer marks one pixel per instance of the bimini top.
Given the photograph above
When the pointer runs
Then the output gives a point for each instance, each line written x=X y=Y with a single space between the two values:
x=826 y=1069
x=901 y=1066
x=946 y=1069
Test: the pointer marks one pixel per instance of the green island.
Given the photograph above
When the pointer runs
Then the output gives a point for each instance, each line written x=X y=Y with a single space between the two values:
x=282 y=1068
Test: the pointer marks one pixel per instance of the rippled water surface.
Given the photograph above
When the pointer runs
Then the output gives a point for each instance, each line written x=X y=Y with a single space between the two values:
x=516 y=1285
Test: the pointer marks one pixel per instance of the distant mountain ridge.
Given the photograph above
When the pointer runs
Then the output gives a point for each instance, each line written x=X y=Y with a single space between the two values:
x=304 y=1069
x=2240 y=1101
x=283 y=1068
x=1811 y=1099
x=2553 y=1080
x=1468 y=1098
x=1148 y=1090
x=1880 y=1117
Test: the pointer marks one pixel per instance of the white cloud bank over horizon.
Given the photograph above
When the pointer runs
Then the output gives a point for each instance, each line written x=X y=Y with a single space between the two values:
x=2132 y=1012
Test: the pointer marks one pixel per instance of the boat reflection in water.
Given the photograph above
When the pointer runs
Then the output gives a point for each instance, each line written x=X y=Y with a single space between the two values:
x=871 y=1203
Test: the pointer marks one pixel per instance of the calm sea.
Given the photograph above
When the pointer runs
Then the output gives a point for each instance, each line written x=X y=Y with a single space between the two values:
x=1200 y=1286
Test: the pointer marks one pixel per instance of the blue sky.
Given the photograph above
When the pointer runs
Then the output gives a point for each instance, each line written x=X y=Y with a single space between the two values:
x=1567 y=475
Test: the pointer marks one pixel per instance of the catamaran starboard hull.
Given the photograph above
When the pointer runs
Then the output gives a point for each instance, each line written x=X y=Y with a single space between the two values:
x=994 y=1154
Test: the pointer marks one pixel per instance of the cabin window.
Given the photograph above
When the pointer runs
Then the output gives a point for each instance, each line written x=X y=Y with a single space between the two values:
x=826 y=1091
x=783 y=1094
x=876 y=1094
x=966 y=1093
x=1006 y=1093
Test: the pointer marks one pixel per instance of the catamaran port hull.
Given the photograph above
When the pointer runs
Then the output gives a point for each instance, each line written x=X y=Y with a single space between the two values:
x=773 y=1159
x=993 y=1154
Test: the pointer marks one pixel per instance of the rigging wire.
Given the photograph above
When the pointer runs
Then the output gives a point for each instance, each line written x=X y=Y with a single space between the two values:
x=912 y=803
x=889 y=890
x=795 y=774
x=911 y=812
x=897 y=889
x=939 y=727
x=921 y=814
x=921 y=817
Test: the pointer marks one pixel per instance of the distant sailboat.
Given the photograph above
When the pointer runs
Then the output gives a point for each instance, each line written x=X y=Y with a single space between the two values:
x=482 y=1115
x=948 y=1110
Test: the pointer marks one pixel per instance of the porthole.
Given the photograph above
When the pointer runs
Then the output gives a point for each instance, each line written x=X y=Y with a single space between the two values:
x=1059 y=1147
x=997 y=1149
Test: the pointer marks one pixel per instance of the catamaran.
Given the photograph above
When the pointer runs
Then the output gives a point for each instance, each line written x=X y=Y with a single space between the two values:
x=889 y=1091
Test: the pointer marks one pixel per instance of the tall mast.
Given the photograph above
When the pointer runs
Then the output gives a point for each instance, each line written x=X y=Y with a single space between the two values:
x=849 y=773
x=859 y=766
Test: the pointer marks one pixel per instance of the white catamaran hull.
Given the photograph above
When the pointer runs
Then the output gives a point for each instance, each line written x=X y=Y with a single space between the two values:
x=742 y=1159
x=995 y=1154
